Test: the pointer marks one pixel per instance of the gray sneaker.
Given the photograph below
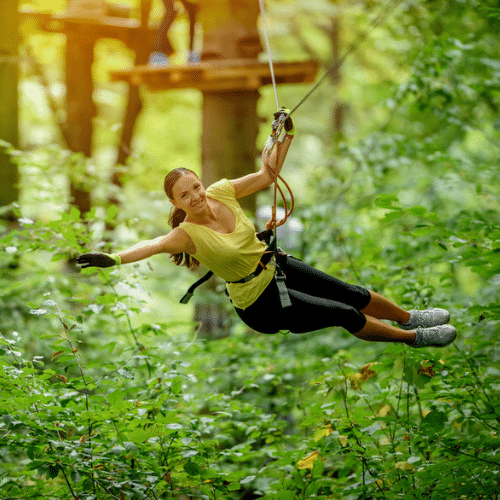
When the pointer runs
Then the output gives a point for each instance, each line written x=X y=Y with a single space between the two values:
x=437 y=336
x=426 y=318
x=158 y=60
x=194 y=57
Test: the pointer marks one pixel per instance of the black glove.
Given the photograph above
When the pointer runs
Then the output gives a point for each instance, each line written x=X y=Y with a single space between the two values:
x=289 y=125
x=97 y=259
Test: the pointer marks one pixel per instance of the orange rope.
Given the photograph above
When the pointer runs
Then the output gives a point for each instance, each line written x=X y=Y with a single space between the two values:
x=273 y=223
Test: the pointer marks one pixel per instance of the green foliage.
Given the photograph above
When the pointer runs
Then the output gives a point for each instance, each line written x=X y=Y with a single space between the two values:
x=99 y=407
x=101 y=399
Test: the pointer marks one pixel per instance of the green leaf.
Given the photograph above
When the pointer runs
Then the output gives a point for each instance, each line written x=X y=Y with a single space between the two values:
x=91 y=214
x=388 y=201
x=131 y=447
x=390 y=216
x=433 y=422
x=38 y=312
x=418 y=211
x=53 y=470
x=192 y=468
x=69 y=235
x=112 y=211
x=233 y=486
x=107 y=298
x=115 y=397
x=125 y=373
x=74 y=214
x=58 y=256
x=247 y=479
x=476 y=263
x=318 y=468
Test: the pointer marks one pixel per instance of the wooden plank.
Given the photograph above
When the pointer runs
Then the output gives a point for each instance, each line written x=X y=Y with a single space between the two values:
x=218 y=75
x=127 y=30
x=45 y=19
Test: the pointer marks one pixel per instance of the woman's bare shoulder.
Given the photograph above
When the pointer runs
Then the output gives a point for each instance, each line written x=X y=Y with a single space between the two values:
x=178 y=241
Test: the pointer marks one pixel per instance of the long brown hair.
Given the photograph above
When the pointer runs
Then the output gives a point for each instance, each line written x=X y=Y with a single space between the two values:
x=177 y=215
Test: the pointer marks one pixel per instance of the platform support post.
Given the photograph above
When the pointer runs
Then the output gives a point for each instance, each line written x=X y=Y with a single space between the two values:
x=229 y=134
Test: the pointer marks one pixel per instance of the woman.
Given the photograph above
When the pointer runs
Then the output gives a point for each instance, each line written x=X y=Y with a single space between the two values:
x=210 y=227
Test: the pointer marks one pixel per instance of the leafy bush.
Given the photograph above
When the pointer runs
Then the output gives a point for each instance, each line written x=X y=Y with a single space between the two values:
x=96 y=405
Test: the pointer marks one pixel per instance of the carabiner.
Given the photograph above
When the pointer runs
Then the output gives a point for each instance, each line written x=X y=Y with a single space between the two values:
x=277 y=129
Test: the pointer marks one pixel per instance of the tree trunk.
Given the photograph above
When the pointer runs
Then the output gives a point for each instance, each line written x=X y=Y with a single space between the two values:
x=79 y=104
x=229 y=137
x=230 y=122
x=9 y=79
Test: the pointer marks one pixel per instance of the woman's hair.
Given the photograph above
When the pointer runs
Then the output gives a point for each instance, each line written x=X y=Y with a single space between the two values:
x=177 y=215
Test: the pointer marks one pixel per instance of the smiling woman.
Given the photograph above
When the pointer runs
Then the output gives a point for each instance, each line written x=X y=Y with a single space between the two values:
x=211 y=225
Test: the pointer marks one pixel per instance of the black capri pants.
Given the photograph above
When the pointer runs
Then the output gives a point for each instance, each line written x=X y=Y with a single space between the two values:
x=318 y=301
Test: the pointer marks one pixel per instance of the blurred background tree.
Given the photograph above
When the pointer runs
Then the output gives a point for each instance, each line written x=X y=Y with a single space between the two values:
x=9 y=109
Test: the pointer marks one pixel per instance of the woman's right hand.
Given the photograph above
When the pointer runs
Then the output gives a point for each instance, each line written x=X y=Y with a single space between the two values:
x=289 y=123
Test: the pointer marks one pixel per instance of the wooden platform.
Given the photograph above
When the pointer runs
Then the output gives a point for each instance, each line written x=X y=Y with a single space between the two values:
x=128 y=30
x=219 y=75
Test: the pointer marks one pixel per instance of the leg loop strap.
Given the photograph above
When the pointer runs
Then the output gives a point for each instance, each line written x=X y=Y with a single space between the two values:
x=282 y=289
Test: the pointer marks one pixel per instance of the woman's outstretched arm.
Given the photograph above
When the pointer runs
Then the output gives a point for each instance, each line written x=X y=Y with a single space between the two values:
x=177 y=241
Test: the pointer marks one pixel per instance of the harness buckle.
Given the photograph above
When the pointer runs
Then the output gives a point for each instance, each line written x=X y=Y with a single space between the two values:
x=186 y=298
x=283 y=290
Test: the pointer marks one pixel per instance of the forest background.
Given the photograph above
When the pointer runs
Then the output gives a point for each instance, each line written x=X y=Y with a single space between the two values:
x=106 y=389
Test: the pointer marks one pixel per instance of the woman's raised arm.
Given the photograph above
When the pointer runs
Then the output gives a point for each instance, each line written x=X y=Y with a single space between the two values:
x=271 y=164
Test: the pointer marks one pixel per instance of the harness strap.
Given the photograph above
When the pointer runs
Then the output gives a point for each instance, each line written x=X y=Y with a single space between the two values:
x=194 y=286
x=282 y=289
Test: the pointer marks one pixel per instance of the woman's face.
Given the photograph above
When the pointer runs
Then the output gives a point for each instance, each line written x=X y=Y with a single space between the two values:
x=189 y=195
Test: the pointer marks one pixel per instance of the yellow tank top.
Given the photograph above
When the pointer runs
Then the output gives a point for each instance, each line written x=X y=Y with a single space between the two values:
x=231 y=256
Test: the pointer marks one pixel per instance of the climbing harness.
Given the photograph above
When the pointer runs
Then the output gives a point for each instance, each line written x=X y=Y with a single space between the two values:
x=271 y=251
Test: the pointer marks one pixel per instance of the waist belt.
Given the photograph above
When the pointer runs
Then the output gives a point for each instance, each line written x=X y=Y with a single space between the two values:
x=271 y=250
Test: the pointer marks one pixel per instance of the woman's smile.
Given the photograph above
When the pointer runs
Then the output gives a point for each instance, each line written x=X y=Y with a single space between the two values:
x=200 y=203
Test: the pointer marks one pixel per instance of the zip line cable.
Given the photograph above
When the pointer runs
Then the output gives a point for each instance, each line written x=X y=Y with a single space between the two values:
x=384 y=11
x=354 y=45
x=268 y=48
